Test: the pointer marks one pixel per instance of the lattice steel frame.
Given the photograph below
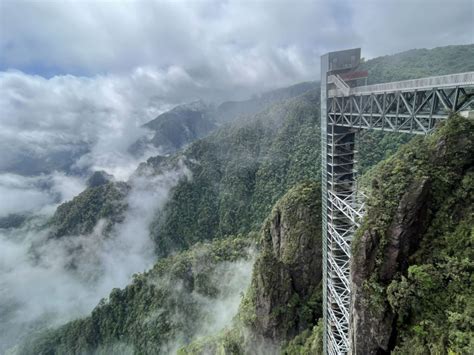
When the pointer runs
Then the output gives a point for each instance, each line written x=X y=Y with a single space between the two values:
x=344 y=209
x=415 y=111
x=394 y=108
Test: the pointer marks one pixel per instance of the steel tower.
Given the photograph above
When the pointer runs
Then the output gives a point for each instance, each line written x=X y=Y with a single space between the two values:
x=411 y=106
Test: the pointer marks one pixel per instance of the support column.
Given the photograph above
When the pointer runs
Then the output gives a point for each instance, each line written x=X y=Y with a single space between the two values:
x=339 y=211
x=342 y=215
x=324 y=116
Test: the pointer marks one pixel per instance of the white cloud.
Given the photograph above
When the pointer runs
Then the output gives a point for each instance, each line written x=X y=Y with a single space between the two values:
x=41 y=118
x=38 y=195
x=17 y=200
x=391 y=26
x=231 y=280
x=38 y=287
x=207 y=38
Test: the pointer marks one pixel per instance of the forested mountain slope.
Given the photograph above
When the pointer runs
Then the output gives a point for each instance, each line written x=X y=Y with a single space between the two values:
x=413 y=256
x=230 y=110
x=418 y=63
x=80 y=216
x=184 y=124
x=174 y=303
x=161 y=309
x=238 y=173
x=412 y=268
x=241 y=169
x=178 y=127
x=411 y=271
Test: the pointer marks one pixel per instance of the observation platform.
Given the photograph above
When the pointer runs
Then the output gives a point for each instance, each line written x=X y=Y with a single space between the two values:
x=443 y=81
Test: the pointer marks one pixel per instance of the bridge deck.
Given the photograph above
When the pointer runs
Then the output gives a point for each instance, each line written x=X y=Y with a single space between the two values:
x=444 y=81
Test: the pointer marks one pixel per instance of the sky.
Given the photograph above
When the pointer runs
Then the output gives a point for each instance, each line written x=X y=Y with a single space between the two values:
x=212 y=45
x=79 y=78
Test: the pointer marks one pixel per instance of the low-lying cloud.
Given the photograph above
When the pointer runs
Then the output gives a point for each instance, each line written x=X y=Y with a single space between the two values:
x=39 y=288
x=231 y=279
x=37 y=194
x=80 y=123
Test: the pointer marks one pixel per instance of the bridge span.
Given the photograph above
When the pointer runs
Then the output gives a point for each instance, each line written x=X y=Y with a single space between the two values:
x=411 y=106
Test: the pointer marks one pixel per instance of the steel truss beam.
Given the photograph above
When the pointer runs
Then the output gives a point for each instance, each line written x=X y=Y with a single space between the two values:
x=412 y=107
x=415 y=111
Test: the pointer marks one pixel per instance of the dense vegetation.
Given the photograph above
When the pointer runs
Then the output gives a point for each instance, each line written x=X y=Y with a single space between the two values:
x=241 y=169
x=80 y=216
x=284 y=297
x=413 y=256
x=186 y=123
x=239 y=172
x=375 y=146
x=180 y=126
x=418 y=63
x=161 y=309
x=435 y=299
x=231 y=110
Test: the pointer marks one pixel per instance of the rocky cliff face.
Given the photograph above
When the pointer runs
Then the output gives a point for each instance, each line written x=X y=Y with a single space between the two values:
x=284 y=298
x=287 y=275
x=373 y=327
x=408 y=199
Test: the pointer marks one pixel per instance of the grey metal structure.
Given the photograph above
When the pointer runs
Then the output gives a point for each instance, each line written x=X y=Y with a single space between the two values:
x=412 y=106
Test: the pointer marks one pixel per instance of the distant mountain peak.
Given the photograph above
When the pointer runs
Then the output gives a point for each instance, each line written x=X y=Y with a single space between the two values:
x=197 y=105
x=99 y=178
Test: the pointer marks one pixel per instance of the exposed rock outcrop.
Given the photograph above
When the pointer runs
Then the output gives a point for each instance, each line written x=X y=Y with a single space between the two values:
x=408 y=191
x=284 y=298
x=285 y=290
x=372 y=323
